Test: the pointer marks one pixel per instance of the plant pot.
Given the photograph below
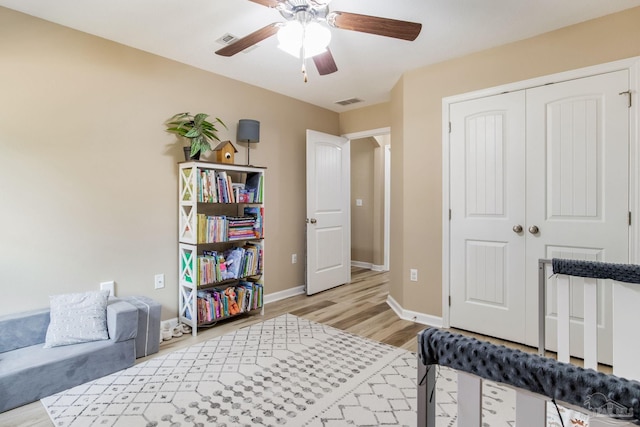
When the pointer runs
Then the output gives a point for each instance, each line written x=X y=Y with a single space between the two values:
x=187 y=154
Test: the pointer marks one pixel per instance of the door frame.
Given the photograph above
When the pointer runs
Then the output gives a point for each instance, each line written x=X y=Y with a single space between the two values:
x=630 y=64
x=387 y=184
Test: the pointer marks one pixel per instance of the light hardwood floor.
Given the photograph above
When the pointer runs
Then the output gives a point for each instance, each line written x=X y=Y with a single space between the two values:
x=359 y=307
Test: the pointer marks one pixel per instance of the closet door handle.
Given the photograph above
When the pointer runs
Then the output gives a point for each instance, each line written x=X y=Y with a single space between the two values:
x=534 y=229
x=517 y=228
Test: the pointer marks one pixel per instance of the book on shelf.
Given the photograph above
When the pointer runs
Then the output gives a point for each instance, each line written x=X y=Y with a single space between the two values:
x=258 y=213
x=235 y=263
x=254 y=187
x=239 y=192
x=210 y=267
x=212 y=229
x=213 y=304
x=221 y=179
x=241 y=227
x=207 y=186
x=216 y=186
x=224 y=228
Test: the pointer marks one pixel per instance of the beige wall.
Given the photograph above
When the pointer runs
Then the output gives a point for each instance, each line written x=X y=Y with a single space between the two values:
x=417 y=153
x=88 y=174
x=366 y=118
x=397 y=231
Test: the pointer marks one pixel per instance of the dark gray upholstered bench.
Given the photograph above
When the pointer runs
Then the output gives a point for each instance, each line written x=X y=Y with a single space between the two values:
x=562 y=382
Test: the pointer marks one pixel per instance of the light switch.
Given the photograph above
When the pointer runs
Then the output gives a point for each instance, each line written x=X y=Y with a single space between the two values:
x=358 y=202
x=108 y=286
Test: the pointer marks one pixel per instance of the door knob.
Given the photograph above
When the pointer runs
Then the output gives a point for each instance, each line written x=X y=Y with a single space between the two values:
x=534 y=229
x=517 y=228
x=313 y=220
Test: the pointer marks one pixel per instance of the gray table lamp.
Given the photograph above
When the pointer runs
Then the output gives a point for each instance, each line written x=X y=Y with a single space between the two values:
x=248 y=131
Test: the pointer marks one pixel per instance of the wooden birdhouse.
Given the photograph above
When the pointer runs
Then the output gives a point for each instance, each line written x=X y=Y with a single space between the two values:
x=224 y=152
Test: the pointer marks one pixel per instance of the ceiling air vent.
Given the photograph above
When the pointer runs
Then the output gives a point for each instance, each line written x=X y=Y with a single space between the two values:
x=227 y=39
x=349 y=101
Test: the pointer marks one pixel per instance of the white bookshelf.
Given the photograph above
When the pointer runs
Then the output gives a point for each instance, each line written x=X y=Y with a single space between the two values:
x=197 y=182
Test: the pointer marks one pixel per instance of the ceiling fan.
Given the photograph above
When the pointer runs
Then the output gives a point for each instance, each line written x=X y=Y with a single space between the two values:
x=305 y=19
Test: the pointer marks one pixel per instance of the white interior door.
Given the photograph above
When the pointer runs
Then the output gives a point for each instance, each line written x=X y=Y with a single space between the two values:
x=577 y=191
x=487 y=173
x=328 y=212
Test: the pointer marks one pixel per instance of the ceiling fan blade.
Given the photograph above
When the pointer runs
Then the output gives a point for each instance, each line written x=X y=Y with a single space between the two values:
x=325 y=63
x=248 y=41
x=268 y=3
x=374 y=25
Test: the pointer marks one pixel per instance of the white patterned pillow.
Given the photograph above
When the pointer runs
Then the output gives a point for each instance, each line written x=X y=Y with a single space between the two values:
x=77 y=318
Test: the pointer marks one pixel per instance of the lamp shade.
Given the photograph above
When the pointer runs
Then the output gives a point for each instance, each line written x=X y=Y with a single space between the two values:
x=248 y=130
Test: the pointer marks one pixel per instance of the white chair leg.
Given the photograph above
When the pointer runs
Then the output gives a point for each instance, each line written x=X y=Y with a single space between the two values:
x=469 y=400
x=591 y=323
x=562 y=284
x=531 y=409
x=426 y=395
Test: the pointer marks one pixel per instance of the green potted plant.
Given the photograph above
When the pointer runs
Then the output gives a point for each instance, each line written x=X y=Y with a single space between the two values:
x=197 y=129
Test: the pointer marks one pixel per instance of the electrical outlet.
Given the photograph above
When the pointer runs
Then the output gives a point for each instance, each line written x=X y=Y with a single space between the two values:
x=159 y=281
x=294 y=258
x=109 y=286
x=413 y=275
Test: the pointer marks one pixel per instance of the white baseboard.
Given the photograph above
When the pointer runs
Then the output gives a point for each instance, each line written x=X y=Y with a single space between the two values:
x=367 y=265
x=277 y=296
x=361 y=264
x=414 y=316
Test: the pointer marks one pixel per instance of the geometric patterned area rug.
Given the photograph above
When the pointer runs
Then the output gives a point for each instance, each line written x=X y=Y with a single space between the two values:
x=285 y=371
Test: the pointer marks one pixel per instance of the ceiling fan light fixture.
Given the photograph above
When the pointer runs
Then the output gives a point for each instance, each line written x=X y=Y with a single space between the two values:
x=312 y=38
x=317 y=38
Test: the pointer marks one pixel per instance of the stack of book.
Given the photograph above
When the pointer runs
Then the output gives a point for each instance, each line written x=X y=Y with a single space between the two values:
x=222 y=228
x=241 y=227
x=258 y=213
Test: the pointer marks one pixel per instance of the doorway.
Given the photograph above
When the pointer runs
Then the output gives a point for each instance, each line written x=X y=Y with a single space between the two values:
x=370 y=198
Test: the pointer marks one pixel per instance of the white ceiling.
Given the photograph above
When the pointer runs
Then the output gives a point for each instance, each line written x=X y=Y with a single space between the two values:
x=368 y=65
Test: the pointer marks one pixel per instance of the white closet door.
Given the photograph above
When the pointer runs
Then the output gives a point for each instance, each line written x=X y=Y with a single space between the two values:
x=577 y=190
x=487 y=201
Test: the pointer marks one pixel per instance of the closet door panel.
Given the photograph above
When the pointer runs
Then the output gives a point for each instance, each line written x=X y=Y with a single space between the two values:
x=577 y=188
x=487 y=201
